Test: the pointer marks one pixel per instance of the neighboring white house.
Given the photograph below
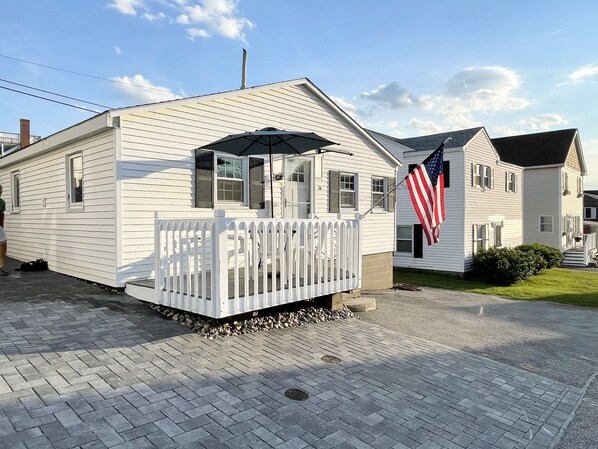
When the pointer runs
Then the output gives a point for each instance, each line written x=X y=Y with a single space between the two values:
x=85 y=198
x=590 y=211
x=554 y=167
x=483 y=201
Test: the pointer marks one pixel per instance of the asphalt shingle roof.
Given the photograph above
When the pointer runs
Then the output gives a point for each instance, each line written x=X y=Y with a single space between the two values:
x=459 y=139
x=529 y=150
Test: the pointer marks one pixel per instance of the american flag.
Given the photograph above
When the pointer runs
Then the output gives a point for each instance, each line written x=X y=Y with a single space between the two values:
x=426 y=187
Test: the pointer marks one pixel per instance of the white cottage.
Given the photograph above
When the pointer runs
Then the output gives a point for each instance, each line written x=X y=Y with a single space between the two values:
x=483 y=201
x=125 y=195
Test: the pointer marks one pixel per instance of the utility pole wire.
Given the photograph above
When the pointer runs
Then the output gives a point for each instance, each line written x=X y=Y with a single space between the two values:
x=49 y=99
x=54 y=93
x=85 y=74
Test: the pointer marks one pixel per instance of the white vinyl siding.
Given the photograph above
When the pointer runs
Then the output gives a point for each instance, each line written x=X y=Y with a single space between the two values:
x=542 y=196
x=78 y=244
x=157 y=163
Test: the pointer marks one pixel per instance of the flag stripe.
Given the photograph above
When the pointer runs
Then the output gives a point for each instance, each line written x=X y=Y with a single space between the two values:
x=426 y=189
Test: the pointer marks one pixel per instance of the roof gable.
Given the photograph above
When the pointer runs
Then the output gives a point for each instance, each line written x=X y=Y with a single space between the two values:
x=459 y=138
x=529 y=150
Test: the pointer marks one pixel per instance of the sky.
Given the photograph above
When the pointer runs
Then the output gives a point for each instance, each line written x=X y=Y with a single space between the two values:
x=405 y=68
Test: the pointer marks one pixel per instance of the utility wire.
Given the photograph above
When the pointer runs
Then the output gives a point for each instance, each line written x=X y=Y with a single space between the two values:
x=49 y=99
x=85 y=74
x=55 y=94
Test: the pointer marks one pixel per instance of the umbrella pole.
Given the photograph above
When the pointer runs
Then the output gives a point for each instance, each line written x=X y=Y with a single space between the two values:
x=271 y=181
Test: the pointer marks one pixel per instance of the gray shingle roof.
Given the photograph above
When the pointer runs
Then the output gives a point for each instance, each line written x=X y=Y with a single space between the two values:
x=529 y=150
x=459 y=138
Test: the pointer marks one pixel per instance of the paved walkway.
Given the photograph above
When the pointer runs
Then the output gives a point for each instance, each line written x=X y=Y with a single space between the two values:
x=80 y=367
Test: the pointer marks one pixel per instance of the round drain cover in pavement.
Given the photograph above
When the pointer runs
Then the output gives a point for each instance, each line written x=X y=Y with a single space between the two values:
x=330 y=359
x=296 y=394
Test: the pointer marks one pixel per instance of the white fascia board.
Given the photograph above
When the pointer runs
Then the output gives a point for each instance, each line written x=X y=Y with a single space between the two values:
x=87 y=128
x=203 y=98
x=508 y=164
x=584 y=169
x=534 y=167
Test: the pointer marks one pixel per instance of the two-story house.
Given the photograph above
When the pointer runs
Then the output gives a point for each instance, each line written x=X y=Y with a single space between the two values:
x=554 y=167
x=483 y=200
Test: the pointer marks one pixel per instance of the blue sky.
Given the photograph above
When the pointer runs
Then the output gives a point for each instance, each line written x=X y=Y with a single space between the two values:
x=406 y=68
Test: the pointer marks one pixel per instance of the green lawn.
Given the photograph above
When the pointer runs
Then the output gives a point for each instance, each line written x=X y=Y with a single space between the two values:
x=557 y=284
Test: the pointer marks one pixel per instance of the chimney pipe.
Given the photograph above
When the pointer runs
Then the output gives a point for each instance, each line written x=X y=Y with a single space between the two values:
x=244 y=70
x=25 y=136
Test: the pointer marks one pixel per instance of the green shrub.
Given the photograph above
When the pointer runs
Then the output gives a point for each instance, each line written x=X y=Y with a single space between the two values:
x=552 y=257
x=506 y=266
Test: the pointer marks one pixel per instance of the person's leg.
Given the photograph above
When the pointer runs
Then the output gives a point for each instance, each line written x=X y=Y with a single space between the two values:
x=2 y=257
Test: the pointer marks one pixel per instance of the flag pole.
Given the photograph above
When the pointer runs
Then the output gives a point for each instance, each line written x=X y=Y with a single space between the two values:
x=396 y=186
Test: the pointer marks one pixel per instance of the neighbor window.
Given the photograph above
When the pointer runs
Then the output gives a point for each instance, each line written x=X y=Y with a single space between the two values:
x=482 y=176
x=480 y=240
x=546 y=223
x=498 y=235
x=229 y=179
x=75 y=179
x=378 y=191
x=404 y=239
x=589 y=213
x=16 y=191
x=348 y=190
x=511 y=182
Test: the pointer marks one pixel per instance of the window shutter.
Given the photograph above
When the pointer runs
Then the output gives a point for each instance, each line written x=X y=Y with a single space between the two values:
x=473 y=238
x=486 y=237
x=514 y=182
x=392 y=195
x=473 y=171
x=256 y=183
x=446 y=170
x=334 y=191
x=418 y=241
x=204 y=178
x=491 y=178
x=506 y=181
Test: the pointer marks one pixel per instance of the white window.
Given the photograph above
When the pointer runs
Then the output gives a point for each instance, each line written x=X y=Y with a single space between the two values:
x=546 y=224
x=348 y=191
x=566 y=183
x=230 y=179
x=498 y=235
x=589 y=213
x=75 y=179
x=480 y=238
x=404 y=239
x=511 y=182
x=482 y=176
x=16 y=191
x=378 y=192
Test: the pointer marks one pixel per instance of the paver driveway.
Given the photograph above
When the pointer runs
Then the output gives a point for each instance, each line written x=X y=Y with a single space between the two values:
x=80 y=367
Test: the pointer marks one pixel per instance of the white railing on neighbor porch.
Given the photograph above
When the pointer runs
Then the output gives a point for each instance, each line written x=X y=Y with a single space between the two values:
x=589 y=247
x=222 y=266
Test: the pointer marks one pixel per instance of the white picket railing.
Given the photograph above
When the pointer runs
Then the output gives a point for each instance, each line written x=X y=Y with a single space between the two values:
x=221 y=267
x=589 y=247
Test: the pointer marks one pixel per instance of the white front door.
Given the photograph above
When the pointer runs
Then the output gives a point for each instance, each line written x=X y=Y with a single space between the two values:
x=297 y=193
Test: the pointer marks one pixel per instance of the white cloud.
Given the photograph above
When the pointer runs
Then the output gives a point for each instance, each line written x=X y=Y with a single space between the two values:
x=204 y=18
x=391 y=95
x=583 y=73
x=117 y=50
x=345 y=105
x=154 y=17
x=141 y=90
x=426 y=126
x=542 y=122
x=128 y=7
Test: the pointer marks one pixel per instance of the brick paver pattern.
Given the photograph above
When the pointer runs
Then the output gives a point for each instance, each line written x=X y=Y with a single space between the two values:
x=106 y=371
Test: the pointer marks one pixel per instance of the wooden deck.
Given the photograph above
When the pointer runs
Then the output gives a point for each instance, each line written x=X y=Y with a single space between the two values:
x=254 y=286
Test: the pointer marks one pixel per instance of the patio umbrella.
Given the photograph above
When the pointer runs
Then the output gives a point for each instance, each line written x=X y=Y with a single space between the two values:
x=269 y=141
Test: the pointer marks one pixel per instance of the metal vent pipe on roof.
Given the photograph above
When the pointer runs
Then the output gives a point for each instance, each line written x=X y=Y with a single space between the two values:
x=244 y=70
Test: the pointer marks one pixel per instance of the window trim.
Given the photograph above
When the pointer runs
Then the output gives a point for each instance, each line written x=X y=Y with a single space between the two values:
x=15 y=191
x=73 y=205
x=403 y=240
x=244 y=179
x=483 y=176
x=498 y=231
x=383 y=206
x=592 y=213
x=511 y=182
x=476 y=237
x=355 y=190
x=551 y=224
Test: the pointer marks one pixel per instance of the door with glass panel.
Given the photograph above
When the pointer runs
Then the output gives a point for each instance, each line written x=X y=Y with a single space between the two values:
x=297 y=188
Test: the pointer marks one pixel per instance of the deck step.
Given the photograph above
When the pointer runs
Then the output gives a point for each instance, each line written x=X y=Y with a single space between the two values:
x=361 y=304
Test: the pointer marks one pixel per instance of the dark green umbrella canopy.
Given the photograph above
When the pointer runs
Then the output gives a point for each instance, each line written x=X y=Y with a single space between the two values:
x=269 y=141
